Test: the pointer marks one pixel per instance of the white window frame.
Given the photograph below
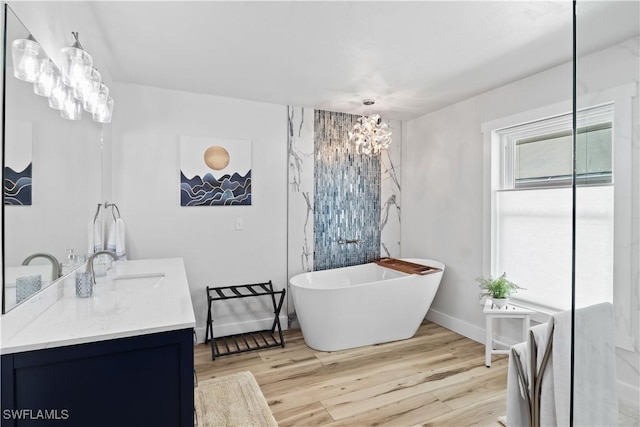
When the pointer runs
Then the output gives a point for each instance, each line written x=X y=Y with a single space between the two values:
x=626 y=256
x=509 y=136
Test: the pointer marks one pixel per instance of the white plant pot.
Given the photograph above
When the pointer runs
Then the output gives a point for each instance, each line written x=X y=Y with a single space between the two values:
x=500 y=302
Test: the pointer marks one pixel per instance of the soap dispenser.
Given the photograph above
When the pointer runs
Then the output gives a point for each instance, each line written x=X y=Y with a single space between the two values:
x=71 y=257
x=73 y=261
x=68 y=266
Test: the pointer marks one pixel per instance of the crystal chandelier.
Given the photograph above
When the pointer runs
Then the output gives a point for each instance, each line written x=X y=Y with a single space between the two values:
x=370 y=134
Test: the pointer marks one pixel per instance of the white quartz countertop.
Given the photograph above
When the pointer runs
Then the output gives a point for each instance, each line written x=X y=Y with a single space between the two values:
x=135 y=298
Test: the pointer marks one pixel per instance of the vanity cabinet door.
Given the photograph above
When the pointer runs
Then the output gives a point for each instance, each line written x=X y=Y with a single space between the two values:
x=145 y=380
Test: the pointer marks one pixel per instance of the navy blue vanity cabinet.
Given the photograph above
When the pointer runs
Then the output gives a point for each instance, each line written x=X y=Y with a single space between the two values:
x=145 y=380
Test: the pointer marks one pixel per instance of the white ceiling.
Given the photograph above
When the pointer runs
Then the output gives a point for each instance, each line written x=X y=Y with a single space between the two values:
x=412 y=57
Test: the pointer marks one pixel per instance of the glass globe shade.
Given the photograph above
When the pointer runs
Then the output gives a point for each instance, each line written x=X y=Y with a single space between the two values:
x=26 y=59
x=48 y=79
x=104 y=112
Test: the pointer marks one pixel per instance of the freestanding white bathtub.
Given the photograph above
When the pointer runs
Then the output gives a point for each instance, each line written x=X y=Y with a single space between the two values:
x=362 y=305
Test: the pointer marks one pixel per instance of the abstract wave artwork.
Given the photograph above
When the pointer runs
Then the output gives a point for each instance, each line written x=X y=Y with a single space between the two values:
x=18 y=163
x=215 y=172
x=17 y=186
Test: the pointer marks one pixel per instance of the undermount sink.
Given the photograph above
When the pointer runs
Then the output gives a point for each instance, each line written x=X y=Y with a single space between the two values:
x=139 y=281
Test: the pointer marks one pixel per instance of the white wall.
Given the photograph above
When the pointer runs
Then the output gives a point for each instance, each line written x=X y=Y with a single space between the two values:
x=147 y=125
x=443 y=172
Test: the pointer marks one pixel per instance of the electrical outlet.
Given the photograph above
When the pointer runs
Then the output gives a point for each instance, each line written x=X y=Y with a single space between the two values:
x=239 y=224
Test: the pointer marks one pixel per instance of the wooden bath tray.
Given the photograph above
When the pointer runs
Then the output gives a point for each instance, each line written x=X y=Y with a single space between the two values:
x=405 y=266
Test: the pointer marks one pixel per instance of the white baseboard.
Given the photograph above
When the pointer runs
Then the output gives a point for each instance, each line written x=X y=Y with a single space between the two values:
x=240 y=327
x=456 y=325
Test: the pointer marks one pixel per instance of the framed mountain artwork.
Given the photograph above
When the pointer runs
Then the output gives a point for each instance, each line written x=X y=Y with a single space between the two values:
x=215 y=172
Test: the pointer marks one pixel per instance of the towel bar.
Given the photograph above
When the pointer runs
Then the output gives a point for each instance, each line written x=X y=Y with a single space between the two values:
x=532 y=388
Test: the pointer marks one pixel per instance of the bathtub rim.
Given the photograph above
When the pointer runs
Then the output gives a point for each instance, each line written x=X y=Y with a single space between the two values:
x=403 y=276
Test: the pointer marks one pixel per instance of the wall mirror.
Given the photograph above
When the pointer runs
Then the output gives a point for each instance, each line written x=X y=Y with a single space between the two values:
x=59 y=161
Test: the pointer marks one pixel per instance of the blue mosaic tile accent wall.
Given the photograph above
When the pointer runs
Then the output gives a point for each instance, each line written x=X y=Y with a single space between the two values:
x=346 y=193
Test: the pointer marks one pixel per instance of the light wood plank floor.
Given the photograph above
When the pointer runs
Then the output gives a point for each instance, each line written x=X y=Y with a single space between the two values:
x=437 y=378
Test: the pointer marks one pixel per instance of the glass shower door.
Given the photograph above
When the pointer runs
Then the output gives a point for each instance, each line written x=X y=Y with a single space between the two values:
x=605 y=356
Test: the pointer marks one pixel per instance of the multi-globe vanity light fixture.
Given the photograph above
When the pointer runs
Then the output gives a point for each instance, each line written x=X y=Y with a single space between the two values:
x=370 y=134
x=76 y=87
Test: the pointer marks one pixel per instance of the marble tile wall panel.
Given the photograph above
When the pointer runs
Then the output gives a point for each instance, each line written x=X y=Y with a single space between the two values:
x=300 y=198
x=301 y=188
x=347 y=196
x=390 y=193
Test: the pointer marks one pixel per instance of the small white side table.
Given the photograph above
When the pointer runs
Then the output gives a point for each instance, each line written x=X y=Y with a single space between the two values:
x=491 y=312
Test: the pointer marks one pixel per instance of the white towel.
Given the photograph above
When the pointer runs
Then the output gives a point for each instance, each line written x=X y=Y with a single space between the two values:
x=595 y=401
x=517 y=406
x=95 y=237
x=550 y=378
x=116 y=239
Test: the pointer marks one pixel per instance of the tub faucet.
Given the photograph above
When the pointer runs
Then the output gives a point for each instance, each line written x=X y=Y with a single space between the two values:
x=55 y=264
x=90 y=263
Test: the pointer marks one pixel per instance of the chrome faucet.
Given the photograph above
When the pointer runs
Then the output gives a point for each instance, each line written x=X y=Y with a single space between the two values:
x=55 y=269
x=90 y=263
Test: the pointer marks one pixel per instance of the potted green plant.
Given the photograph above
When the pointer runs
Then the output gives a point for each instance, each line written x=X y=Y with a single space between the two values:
x=498 y=289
